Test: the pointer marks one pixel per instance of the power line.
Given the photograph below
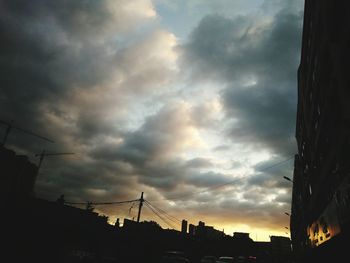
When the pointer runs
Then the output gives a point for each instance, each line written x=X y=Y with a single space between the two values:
x=128 y=212
x=157 y=214
x=170 y=217
x=159 y=211
x=223 y=184
x=161 y=217
x=10 y=126
x=101 y=203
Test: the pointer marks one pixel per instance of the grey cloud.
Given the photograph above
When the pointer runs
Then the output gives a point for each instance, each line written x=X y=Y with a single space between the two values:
x=74 y=177
x=208 y=179
x=151 y=150
x=199 y=163
x=151 y=153
x=285 y=199
x=268 y=174
x=222 y=148
x=257 y=62
x=66 y=75
x=62 y=58
x=273 y=5
x=265 y=116
x=256 y=194
x=162 y=135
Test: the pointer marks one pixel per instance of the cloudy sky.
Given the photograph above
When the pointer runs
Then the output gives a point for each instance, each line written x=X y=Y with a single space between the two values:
x=192 y=102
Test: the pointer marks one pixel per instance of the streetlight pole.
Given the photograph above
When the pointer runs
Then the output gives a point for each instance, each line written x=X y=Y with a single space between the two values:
x=288 y=179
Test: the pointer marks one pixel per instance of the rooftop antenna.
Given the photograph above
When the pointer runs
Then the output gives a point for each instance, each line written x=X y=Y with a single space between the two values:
x=10 y=126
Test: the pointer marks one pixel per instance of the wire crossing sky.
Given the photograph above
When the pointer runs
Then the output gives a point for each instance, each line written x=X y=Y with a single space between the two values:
x=165 y=97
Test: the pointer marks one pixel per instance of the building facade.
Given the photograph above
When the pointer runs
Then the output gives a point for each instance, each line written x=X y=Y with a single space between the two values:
x=321 y=192
x=18 y=175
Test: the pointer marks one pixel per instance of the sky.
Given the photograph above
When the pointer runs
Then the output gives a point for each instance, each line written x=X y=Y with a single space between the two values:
x=192 y=102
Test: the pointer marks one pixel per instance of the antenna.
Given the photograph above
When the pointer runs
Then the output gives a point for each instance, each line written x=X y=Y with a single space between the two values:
x=10 y=126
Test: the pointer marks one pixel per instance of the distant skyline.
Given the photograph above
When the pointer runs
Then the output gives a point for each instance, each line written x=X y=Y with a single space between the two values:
x=167 y=97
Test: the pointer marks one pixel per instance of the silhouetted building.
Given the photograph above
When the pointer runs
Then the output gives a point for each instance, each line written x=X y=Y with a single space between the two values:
x=207 y=232
x=212 y=233
x=18 y=174
x=191 y=229
x=263 y=250
x=184 y=227
x=280 y=248
x=200 y=229
x=321 y=192
x=147 y=227
x=240 y=235
x=277 y=250
x=44 y=229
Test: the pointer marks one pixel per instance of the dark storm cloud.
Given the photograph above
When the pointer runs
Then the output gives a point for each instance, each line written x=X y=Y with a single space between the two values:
x=257 y=61
x=29 y=74
x=60 y=59
x=66 y=74
x=38 y=57
x=76 y=177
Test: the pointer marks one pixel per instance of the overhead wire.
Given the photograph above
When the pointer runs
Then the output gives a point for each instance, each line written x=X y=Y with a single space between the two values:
x=170 y=217
x=161 y=217
x=101 y=203
x=121 y=206
x=223 y=184
x=174 y=198
x=166 y=221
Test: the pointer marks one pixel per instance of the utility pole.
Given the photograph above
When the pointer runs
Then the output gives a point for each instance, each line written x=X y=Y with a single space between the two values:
x=140 y=207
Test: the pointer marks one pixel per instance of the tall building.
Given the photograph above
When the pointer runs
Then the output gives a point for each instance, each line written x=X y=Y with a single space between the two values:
x=191 y=229
x=184 y=226
x=321 y=194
